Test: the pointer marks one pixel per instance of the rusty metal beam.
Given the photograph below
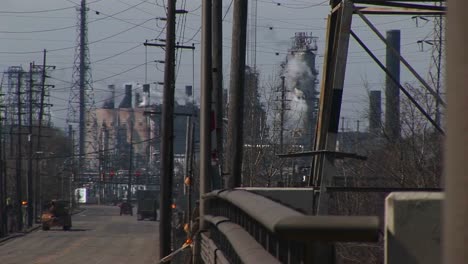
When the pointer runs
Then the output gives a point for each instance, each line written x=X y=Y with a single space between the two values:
x=397 y=11
x=406 y=5
x=396 y=1
x=331 y=98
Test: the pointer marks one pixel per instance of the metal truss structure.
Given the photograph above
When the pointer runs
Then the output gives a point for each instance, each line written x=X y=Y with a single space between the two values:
x=338 y=36
x=82 y=108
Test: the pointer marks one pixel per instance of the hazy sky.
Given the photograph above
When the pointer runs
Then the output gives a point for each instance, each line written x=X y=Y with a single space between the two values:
x=117 y=29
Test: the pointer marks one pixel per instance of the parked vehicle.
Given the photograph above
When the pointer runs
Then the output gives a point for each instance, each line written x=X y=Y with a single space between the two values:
x=56 y=213
x=147 y=205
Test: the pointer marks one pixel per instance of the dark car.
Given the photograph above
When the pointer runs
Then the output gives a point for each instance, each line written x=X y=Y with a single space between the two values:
x=56 y=213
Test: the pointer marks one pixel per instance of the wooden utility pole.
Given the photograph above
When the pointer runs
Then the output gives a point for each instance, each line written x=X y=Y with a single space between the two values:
x=217 y=95
x=167 y=132
x=282 y=111
x=38 y=196
x=236 y=94
x=3 y=195
x=205 y=107
x=188 y=167
x=130 y=166
x=206 y=86
x=19 y=182
x=30 y=188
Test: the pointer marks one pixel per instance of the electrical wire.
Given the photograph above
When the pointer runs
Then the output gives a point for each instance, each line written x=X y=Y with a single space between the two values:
x=36 y=11
x=199 y=29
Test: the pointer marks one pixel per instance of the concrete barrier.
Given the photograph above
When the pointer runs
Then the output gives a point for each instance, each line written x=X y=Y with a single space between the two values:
x=413 y=227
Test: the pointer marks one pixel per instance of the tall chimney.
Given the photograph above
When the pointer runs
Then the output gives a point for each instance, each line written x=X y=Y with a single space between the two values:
x=137 y=100
x=146 y=88
x=392 y=92
x=375 y=112
x=127 y=100
x=188 y=90
x=109 y=103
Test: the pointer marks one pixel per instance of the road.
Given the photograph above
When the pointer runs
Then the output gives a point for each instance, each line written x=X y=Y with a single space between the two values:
x=99 y=235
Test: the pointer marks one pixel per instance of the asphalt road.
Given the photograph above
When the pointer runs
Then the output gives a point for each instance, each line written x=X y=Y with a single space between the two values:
x=98 y=236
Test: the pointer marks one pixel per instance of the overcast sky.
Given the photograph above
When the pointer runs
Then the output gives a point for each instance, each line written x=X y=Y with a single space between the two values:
x=117 y=29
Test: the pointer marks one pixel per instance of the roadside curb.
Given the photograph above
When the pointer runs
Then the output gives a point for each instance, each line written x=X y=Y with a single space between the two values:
x=32 y=229
x=19 y=234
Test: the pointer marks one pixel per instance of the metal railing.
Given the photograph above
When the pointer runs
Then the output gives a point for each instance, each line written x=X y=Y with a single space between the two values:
x=250 y=228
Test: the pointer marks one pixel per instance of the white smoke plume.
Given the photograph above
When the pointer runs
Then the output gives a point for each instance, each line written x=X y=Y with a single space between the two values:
x=300 y=83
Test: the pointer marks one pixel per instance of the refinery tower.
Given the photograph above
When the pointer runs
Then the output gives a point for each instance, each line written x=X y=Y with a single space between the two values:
x=300 y=87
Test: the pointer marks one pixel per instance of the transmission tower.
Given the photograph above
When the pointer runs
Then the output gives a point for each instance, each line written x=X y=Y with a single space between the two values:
x=82 y=108
x=437 y=58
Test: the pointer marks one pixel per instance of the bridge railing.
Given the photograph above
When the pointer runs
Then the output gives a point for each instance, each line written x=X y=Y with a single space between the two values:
x=244 y=227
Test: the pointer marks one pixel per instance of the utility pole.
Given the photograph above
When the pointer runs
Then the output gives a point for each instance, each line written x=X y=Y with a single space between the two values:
x=19 y=185
x=217 y=95
x=206 y=86
x=282 y=110
x=38 y=195
x=130 y=165
x=167 y=138
x=30 y=188
x=188 y=167
x=236 y=94
x=3 y=218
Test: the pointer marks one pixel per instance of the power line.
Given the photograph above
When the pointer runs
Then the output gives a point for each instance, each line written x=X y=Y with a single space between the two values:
x=36 y=11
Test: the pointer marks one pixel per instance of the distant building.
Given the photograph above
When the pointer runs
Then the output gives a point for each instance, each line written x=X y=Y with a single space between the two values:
x=135 y=118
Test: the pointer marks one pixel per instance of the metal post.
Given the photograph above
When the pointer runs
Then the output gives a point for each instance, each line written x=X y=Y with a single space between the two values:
x=217 y=95
x=236 y=94
x=456 y=156
x=167 y=132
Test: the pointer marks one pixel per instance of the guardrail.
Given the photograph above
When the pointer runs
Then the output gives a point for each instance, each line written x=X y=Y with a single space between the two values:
x=250 y=228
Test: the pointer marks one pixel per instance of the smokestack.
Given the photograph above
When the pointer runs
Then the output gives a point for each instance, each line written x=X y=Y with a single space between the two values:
x=137 y=99
x=146 y=88
x=392 y=92
x=375 y=112
x=188 y=90
x=110 y=102
x=127 y=100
